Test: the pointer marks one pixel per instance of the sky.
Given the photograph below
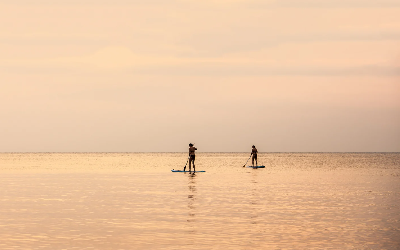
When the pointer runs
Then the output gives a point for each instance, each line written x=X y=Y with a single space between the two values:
x=156 y=75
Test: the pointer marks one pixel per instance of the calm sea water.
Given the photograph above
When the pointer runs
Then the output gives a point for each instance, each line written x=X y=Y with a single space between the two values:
x=133 y=201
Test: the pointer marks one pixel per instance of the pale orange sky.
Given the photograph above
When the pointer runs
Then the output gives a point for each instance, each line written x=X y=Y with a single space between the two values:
x=225 y=74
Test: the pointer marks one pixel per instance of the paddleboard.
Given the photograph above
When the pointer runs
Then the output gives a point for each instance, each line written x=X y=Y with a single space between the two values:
x=181 y=171
x=256 y=166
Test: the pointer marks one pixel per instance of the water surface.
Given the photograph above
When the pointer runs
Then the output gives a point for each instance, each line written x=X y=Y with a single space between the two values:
x=133 y=201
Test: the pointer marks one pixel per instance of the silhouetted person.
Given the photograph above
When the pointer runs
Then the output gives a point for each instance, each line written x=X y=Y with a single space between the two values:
x=192 y=157
x=254 y=154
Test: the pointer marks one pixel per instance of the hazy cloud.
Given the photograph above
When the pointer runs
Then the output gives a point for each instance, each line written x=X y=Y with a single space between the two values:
x=332 y=4
x=251 y=3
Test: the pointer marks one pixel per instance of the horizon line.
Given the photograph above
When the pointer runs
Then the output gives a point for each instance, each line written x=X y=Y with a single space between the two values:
x=141 y=152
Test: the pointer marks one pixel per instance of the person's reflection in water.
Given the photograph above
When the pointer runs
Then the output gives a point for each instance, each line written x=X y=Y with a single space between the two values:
x=254 y=198
x=256 y=227
x=191 y=202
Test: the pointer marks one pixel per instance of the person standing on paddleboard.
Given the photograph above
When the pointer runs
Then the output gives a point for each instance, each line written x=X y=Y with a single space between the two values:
x=254 y=154
x=192 y=157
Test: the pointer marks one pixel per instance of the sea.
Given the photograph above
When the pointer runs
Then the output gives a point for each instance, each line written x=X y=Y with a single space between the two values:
x=117 y=201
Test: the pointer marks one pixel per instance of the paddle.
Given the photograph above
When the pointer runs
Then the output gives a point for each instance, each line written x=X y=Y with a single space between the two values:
x=247 y=161
x=186 y=163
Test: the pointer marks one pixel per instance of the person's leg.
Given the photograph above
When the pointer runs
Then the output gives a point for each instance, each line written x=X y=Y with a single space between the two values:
x=252 y=160
x=256 y=161
x=190 y=164
x=194 y=168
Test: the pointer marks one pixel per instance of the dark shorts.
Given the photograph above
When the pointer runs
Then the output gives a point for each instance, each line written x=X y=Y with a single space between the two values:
x=192 y=157
x=255 y=157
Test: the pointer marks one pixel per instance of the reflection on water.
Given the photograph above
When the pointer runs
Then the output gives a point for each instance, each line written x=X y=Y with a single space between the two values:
x=133 y=201
x=191 y=200
x=254 y=197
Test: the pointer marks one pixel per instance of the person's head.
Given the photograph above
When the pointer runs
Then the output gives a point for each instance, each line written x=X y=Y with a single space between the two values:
x=190 y=145
x=253 y=146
